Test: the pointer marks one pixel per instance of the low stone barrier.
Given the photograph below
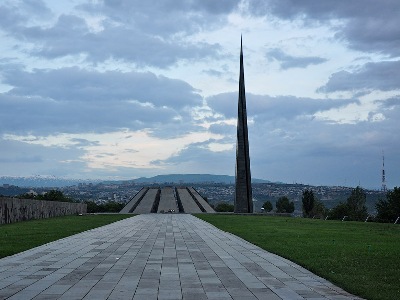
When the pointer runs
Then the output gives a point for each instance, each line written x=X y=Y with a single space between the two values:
x=15 y=210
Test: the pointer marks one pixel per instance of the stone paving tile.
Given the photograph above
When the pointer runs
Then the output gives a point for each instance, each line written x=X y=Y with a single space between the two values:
x=158 y=256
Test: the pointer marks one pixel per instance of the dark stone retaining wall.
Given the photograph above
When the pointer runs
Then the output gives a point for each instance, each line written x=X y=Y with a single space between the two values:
x=15 y=210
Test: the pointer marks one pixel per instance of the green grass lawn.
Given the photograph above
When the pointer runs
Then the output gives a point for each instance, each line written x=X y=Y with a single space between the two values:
x=18 y=237
x=362 y=258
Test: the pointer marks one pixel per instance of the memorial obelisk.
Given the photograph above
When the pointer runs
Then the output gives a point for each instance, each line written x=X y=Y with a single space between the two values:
x=243 y=193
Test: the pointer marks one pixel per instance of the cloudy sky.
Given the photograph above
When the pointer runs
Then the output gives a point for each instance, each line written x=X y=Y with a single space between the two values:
x=130 y=88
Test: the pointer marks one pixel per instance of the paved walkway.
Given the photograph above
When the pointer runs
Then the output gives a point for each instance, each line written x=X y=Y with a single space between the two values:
x=157 y=256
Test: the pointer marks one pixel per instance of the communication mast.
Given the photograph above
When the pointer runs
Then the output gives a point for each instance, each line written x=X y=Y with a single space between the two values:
x=383 y=188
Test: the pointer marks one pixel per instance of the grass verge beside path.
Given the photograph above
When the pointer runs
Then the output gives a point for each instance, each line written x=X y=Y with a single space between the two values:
x=362 y=258
x=21 y=236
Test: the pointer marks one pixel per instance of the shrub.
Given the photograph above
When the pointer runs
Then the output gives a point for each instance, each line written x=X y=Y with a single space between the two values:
x=224 y=207
x=389 y=209
x=283 y=205
x=338 y=212
x=111 y=206
x=267 y=206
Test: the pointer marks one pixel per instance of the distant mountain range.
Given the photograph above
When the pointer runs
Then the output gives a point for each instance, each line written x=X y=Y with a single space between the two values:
x=52 y=181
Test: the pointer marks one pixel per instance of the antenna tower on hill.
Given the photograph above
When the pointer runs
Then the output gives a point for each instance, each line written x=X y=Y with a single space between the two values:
x=383 y=188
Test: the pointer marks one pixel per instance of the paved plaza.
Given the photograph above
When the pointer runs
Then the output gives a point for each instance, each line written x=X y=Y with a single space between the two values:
x=157 y=256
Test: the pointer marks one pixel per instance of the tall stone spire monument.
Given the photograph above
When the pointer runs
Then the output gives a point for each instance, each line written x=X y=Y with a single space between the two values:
x=243 y=193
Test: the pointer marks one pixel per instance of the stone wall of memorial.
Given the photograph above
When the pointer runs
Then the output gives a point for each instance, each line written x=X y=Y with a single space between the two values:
x=16 y=210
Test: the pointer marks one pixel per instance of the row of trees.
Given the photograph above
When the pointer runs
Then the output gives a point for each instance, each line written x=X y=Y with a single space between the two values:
x=388 y=210
x=52 y=195
x=283 y=205
x=354 y=208
x=92 y=207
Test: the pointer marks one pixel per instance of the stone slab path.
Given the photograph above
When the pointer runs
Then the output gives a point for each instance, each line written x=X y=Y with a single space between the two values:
x=157 y=256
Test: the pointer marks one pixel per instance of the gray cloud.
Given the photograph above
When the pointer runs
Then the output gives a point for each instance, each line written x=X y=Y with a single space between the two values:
x=165 y=18
x=287 y=61
x=26 y=158
x=23 y=159
x=194 y=157
x=390 y=103
x=214 y=73
x=17 y=13
x=280 y=107
x=71 y=35
x=382 y=76
x=76 y=100
x=147 y=34
x=223 y=129
x=288 y=144
x=75 y=84
x=369 y=25
x=305 y=150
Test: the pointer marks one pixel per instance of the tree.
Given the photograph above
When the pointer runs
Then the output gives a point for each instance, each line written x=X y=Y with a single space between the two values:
x=224 y=207
x=91 y=207
x=339 y=211
x=27 y=196
x=52 y=195
x=308 y=203
x=283 y=205
x=356 y=205
x=354 y=208
x=389 y=209
x=267 y=206
x=319 y=210
x=111 y=206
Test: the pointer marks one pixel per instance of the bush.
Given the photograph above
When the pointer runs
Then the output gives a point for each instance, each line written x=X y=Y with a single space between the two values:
x=267 y=206
x=389 y=209
x=338 y=212
x=224 y=207
x=283 y=205
x=111 y=206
